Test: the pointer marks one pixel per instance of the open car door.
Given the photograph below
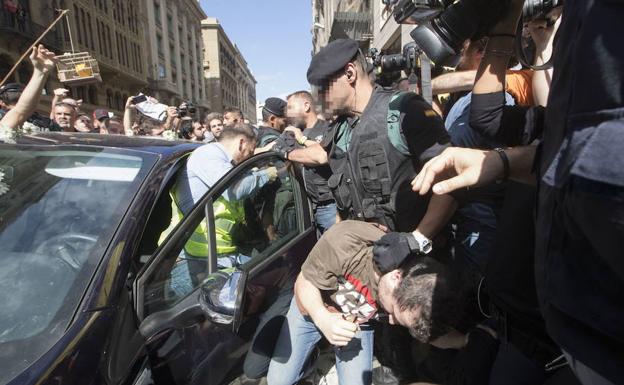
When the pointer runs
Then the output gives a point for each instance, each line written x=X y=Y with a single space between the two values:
x=226 y=268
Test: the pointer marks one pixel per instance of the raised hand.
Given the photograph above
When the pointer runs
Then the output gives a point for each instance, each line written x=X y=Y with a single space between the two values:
x=42 y=59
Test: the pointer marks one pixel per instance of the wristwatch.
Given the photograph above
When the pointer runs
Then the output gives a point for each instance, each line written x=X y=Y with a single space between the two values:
x=420 y=243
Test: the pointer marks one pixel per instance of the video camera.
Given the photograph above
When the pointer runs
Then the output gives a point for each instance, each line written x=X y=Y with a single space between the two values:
x=444 y=25
x=186 y=108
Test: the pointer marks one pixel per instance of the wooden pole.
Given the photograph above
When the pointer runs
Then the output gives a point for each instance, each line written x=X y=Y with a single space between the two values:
x=63 y=12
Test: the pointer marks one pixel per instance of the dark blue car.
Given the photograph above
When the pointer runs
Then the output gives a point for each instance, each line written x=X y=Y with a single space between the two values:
x=95 y=286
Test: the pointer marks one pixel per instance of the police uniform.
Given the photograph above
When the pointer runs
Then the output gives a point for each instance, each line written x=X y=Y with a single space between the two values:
x=375 y=156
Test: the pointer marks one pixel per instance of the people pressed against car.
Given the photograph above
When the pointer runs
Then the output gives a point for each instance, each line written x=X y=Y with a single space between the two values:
x=204 y=168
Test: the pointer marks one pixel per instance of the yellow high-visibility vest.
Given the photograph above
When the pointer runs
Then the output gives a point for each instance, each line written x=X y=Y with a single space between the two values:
x=226 y=215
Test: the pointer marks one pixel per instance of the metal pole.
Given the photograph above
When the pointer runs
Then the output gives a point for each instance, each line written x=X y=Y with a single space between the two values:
x=63 y=12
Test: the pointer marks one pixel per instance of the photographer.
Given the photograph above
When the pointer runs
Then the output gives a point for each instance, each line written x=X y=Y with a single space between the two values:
x=578 y=266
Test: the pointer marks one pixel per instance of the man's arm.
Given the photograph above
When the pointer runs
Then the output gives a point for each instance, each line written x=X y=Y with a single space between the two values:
x=43 y=61
x=543 y=36
x=250 y=183
x=439 y=211
x=59 y=94
x=313 y=154
x=489 y=116
x=453 y=82
x=458 y=168
x=128 y=114
x=337 y=330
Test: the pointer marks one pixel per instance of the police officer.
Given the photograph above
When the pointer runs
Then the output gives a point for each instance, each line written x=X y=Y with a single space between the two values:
x=274 y=116
x=377 y=142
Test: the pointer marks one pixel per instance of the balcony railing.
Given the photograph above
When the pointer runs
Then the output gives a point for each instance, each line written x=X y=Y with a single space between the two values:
x=28 y=30
x=353 y=25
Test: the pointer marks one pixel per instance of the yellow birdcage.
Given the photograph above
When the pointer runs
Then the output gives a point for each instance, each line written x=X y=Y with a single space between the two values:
x=78 y=69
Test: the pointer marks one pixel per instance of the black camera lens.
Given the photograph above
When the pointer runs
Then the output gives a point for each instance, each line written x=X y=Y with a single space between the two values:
x=393 y=63
x=538 y=9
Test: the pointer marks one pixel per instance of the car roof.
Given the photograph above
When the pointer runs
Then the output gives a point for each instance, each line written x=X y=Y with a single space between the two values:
x=148 y=144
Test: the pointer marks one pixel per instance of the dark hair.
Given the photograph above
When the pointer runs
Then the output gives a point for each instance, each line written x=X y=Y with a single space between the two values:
x=266 y=115
x=233 y=110
x=428 y=285
x=186 y=129
x=146 y=124
x=236 y=130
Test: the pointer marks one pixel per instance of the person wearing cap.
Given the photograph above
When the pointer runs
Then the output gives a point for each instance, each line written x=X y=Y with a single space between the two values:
x=43 y=62
x=83 y=123
x=375 y=146
x=99 y=117
x=274 y=117
x=9 y=95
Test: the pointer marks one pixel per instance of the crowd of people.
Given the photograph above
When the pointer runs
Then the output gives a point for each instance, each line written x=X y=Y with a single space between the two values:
x=474 y=240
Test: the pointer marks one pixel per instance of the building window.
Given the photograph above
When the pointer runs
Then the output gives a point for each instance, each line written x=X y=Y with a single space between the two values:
x=91 y=38
x=78 y=24
x=162 y=72
x=93 y=98
x=159 y=43
x=109 y=98
x=157 y=14
x=170 y=25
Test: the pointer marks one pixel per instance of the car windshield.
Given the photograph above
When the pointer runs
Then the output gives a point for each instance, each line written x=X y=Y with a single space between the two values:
x=59 y=209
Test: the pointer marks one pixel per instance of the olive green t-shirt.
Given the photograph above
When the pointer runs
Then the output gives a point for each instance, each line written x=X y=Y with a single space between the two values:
x=341 y=266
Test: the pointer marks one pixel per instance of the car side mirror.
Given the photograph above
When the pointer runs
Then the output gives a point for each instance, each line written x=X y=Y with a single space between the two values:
x=220 y=295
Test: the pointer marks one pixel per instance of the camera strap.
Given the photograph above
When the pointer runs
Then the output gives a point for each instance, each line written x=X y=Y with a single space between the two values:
x=522 y=55
x=425 y=78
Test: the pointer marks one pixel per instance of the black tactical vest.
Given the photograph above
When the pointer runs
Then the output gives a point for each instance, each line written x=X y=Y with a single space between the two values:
x=371 y=180
x=316 y=177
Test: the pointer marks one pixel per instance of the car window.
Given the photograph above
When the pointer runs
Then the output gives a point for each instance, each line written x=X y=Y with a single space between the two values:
x=59 y=209
x=253 y=215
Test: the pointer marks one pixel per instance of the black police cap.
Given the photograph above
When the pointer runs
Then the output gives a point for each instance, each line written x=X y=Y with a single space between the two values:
x=275 y=106
x=331 y=59
x=15 y=87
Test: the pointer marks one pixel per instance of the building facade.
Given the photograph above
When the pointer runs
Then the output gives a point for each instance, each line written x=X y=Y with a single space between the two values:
x=229 y=80
x=338 y=19
x=175 y=52
x=111 y=31
x=370 y=22
x=388 y=36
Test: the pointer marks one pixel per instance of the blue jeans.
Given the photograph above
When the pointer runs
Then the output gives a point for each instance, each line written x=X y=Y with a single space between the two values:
x=325 y=216
x=297 y=339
